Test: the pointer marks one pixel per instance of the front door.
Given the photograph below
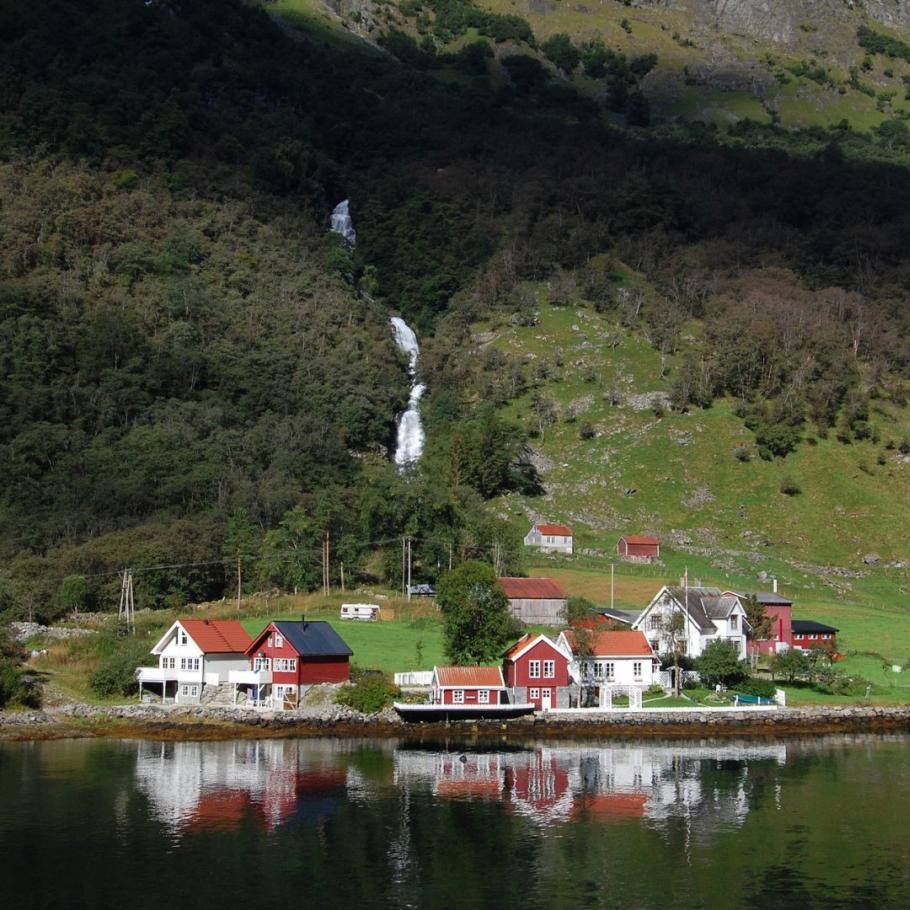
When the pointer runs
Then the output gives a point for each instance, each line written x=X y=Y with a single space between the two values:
x=546 y=699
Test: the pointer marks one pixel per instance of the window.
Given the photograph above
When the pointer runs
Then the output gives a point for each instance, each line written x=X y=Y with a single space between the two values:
x=734 y=623
x=262 y=663
x=654 y=621
x=279 y=640
x=549 y=669
x=189 y=663
x=269 y=640
x=636 y=669
x=168 y=663
x=458 y=696
x=483 y=696
x=183 y=637
x=610 y=670
x=598 y=670
x=286 y=664
x=534 y=669
x=533 y=693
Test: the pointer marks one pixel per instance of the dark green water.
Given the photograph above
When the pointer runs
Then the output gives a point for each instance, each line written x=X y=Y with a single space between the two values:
x=340 y=823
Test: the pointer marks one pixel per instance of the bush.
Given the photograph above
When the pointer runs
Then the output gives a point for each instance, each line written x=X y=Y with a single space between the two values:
x=369 y=694
x=654 y=691
x=18 y=685
x=789 y=487
x=760 y=688
x=116 y=674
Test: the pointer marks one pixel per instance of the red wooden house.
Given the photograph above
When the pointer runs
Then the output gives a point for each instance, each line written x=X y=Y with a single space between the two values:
x=638 y=547
x=537 y=671
x=779 y=611
x=810 y=634
x=287 y=657
x=468 y=686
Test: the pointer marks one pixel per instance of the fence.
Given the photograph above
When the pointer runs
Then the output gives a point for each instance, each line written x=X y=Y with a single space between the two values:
x=414 y=678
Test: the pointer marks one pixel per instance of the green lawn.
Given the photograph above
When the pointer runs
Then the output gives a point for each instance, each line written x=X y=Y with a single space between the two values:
x=389 y=646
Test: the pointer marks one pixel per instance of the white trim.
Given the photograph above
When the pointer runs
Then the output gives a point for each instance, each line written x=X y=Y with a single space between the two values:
x=535 y=641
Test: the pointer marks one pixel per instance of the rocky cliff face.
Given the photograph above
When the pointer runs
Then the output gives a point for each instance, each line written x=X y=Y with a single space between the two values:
x=782 y=21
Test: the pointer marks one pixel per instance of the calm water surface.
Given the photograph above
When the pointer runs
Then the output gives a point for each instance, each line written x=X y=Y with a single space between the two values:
x=343 y=823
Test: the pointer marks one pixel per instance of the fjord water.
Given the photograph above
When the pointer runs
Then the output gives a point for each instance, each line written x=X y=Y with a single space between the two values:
x=347 y=823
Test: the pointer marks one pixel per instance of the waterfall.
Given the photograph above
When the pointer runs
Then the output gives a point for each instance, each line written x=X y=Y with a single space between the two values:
x=341 y=222
x=409 y=446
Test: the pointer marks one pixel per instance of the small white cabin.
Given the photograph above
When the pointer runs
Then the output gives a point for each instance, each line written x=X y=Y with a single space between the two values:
x=362 y=612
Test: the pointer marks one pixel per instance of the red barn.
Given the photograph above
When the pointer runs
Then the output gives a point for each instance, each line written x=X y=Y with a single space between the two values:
x=468 y=686
x=810 y=634
x=638 y=546
x=779 y=610
x=287 y=657
x=537 y=671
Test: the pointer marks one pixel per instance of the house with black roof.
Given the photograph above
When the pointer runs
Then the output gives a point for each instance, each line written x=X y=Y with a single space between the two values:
x=289 y=656
x=807 y=633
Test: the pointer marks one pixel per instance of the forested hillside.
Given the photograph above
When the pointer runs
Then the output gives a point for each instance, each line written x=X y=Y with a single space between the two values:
x=194 y=370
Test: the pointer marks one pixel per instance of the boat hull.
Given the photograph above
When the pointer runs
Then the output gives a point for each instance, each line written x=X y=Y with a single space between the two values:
x=436 y=713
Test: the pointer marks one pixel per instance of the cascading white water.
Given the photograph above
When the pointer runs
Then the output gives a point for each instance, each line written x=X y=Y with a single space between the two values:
x=341 y=222
x=411 y=436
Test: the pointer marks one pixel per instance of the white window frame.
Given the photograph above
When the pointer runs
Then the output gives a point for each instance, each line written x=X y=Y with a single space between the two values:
x=184 y=638
x=734 y=623
x=483 y=696
x=279 y=640
x=457 y=696
x=262 y=663
x=637 y=669
x=533 y=693
x=549 y=669
x=609 y=670
x=533 y=669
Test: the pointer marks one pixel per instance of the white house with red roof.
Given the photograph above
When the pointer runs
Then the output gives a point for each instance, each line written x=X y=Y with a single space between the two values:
x=536 y=670
x=615 y=659
x=536 y=601
x=195 y=655
x=468 y=686
x=550 y=538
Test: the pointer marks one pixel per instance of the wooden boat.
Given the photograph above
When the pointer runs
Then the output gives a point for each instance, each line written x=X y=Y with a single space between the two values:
x=445 y=713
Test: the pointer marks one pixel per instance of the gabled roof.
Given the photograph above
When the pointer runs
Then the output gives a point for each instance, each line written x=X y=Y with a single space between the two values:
x=624 y=643
x=626 y=616
x=555 y=530
x=211 y=636
x=643 y=539
x=810 y=625
x=528 y=641
x=309 y=638
x=469 y=677
x=769 y=599
x=532 y=588
x=703 y=605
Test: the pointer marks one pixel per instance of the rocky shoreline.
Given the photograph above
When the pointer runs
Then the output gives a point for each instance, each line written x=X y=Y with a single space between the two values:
x=194 y=723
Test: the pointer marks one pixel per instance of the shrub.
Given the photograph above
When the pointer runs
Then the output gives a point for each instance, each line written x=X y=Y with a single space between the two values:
x=18 y=685
x=116 y=674
x=654 y=691
x=369 y=694
x=789 y=487
x=587 y=431
x=760 y=688
x=559 y=50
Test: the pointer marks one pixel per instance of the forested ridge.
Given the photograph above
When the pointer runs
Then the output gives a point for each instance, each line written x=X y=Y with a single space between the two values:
x=193 y=368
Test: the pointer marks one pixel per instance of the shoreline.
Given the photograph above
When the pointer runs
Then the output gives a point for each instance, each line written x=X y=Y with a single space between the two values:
x=200 y=723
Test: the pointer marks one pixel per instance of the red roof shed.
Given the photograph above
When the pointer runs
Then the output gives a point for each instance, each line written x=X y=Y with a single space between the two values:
x=638 y=546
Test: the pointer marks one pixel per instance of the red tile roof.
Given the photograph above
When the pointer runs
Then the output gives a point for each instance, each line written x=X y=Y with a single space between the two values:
x=624 y=643
x=217 y=636
x=556 y=530
x=522 y=642
x=470 y=677
x=532 y=588
x=643 y=539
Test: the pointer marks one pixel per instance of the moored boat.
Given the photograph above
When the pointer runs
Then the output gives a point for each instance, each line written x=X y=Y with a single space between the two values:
x=441 y=712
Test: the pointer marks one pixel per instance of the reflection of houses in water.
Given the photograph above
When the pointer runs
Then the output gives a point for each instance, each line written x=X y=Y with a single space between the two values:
x=706 y=786
x=193 y=786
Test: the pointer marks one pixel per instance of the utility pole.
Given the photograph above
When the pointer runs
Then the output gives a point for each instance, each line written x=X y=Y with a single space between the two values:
x=127 y=610
x=612 y=591
x=450 y=555
x=409 y=568
x=239 y=583
x=404 y=578
x=342 y=576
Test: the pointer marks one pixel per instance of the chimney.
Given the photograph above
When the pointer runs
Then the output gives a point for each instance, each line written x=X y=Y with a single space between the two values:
x=303 y=620
x=774 y=585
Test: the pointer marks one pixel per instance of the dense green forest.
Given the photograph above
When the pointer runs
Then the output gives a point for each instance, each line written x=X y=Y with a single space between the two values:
x=194 y=370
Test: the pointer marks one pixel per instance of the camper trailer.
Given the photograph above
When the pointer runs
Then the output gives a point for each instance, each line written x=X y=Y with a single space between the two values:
x=363 y=612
